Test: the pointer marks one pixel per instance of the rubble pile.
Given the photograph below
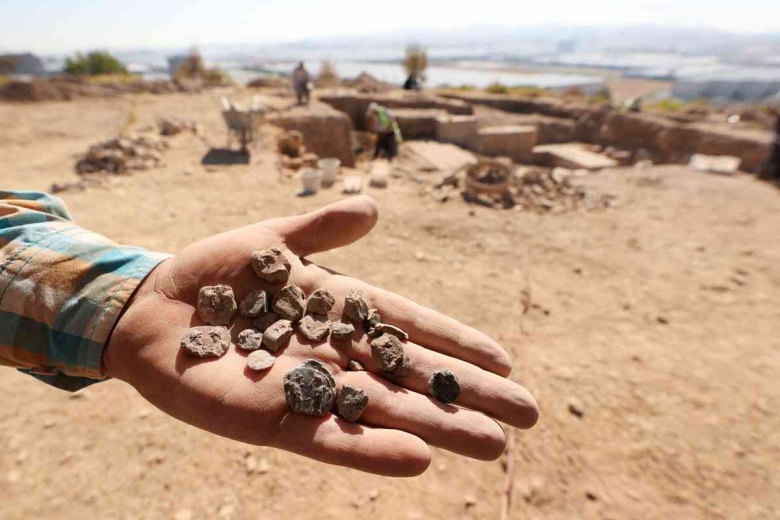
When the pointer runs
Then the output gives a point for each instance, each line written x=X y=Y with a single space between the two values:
x=173 y=125
x=531 y=188
x=122 y=154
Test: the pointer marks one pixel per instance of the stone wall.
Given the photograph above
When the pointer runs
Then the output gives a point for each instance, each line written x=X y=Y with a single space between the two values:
x=355 y=105
x=326 y=132
x=664 y=139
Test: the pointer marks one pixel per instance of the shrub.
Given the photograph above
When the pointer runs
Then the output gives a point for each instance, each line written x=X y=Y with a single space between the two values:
x=94 y=64
x=416 y=60
x=328 y=76
x=497 y=88
x=193 y=68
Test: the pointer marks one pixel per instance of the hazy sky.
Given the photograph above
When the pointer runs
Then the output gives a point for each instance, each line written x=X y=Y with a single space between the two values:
x=60 y=25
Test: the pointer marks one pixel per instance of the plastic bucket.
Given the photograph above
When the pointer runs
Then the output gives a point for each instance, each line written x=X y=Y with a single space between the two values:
x=330 y=170
x=311 y=179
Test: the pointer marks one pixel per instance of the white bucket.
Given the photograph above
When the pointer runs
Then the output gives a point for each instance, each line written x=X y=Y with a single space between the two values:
x=330 y=170
x=311 y=179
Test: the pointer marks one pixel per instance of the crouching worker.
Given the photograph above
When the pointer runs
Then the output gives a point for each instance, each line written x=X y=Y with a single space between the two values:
x=381 y=122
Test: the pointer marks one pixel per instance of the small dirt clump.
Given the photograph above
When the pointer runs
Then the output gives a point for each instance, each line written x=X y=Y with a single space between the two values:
x=373 y=319
x=217 y=305
x=310 y=389
x=260 y=360
x=342 y=331
x=250 y=340
x=263 y=322
x=271 y=265
x=351 y=403
x=314 y=327
x=355 y=366
x=384 y=328
x=320 y=302
x=254 y=305
x=355 y=306
x=289 y=303
x=387 y=351
x=444 y=386
x=276 y=336
x=206 y=342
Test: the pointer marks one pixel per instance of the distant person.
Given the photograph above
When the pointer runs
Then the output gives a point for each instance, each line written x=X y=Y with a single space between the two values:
x=412 y=83
x=77 y=308
x=383 y=124
x=301 y=81
x=771 y=167
x=634 y=104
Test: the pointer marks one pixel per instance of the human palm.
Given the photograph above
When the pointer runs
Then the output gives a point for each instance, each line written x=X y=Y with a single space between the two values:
x=224 y=397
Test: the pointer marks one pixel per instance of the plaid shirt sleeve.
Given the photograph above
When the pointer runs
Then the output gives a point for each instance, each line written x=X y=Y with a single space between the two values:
x=62 y=289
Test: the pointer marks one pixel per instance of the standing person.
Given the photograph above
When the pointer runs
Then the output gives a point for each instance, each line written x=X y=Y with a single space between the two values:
x=771 y=167
x=301 y=83
x=76 y=308
x=381 y=121
x=412 y=83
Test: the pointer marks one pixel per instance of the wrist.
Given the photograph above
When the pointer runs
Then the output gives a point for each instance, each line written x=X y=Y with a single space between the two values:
x=120 y=342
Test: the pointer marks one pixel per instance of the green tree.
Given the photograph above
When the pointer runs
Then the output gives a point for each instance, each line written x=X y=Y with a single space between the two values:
x=94 y=64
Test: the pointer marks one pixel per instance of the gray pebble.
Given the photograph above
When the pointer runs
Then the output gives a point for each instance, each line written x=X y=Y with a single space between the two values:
x=320 y=302
x=216 y=305
x=384 y=328
x=355 y=306
x=250 y=340
x=265 y=321
x=355 y=366
x=270 y=265
x=254 y=305
x=277 y=335
x=351 y=403
x=205 y=342
x=373 y=319
x=444 y=386
x=288 y=303
x=387 y=351
x=260 y=360
x=314 y=327
x=342 y=331
x=310 y=389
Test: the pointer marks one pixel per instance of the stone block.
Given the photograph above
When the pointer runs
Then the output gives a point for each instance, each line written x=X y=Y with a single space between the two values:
x=516 y=142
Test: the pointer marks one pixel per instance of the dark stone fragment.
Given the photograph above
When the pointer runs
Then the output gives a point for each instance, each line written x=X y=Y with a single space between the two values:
x=260 y=360
x=254 y=305
x=342 y=331
x=355 y=306
x=320 y=302
x=387 y=352
x=277 y=335
x=444 y=386
x=265 y=321
x=373 y=319
x=250 y=340
x=289 y=303
x=310 y=389
x=270 y=265
x=205 y=342
x=355 y=366
x=351 y=403
x=314 y=327
x=384 y=328
x=216 y=305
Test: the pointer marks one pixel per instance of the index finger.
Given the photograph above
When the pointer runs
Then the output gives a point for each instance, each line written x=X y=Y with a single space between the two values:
x=441 y=333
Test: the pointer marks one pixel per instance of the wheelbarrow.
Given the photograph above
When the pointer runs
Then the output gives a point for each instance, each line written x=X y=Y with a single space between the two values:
x=243 y=124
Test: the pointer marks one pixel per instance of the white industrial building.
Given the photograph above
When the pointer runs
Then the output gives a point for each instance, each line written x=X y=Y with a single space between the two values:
x=730 y=83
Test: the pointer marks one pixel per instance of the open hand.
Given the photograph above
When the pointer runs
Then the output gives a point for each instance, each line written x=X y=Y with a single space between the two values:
x=224 y=397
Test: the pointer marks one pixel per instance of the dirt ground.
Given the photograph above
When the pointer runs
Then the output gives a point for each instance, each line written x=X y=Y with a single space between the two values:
x=656 y=320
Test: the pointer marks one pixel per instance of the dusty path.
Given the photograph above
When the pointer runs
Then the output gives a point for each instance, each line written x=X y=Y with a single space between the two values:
x=657 y=320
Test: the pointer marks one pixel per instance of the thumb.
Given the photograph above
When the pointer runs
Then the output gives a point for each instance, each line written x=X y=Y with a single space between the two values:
x=336 y=225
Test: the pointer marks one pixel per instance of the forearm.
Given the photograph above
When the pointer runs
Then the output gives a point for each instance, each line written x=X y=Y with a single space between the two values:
x=62 y=289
